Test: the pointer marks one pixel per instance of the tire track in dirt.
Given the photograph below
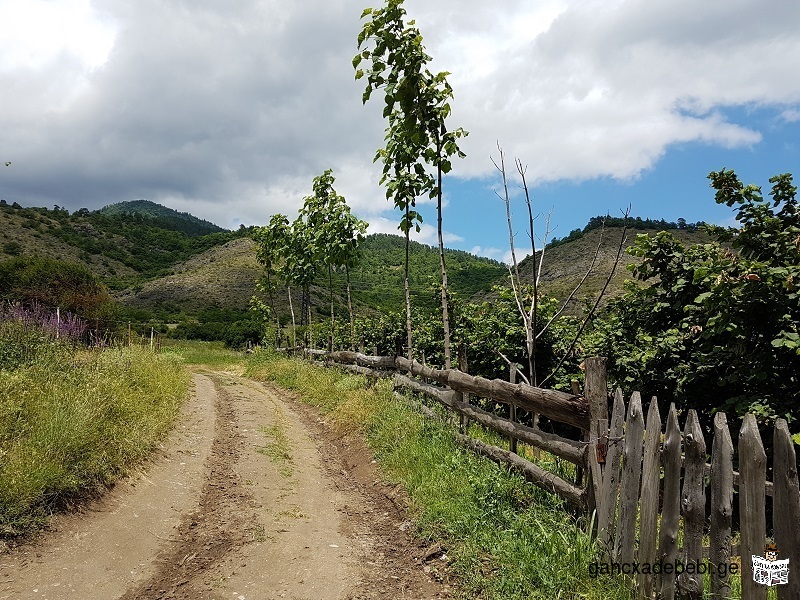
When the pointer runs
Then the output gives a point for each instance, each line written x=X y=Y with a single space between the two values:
x=109 y=544
x=219 y=523
x=253 y=498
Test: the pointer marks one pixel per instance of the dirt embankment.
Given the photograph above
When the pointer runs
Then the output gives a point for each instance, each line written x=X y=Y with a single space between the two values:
x=250 y=498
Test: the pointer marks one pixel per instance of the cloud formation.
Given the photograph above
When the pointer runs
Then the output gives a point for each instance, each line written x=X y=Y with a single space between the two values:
x=228 y=110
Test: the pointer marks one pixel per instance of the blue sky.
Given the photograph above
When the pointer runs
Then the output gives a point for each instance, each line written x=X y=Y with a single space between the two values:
x=229 y=110
x=675 y=186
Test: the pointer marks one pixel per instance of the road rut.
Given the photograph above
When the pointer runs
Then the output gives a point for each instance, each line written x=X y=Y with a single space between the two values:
x=251 y=497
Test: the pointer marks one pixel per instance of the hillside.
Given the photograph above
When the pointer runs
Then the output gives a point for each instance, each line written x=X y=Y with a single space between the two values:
x=156 y=259
x=225 y=276
x=121 y=247
x=567 y=262
x=163 y=217
x=378 y=279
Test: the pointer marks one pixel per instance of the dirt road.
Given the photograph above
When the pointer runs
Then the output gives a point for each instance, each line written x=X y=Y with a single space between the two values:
x=250 y=498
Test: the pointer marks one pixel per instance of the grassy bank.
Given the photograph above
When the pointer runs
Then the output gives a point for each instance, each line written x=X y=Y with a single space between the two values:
x=505 y=539
x=73 y=420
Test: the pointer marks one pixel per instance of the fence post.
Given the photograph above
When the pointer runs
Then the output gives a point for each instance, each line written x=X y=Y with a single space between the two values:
x=786 y=506
x=625 y=540
x=596 y=392
x=752 y=479
x=607 y=506
x=648 y=514
x=721 y=506
x=693 y=504
x=670 y=514
x=464 y=368
x=512 y=378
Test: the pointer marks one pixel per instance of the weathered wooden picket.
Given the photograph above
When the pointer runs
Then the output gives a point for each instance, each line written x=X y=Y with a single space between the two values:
x=647 y=486
x=655 y=479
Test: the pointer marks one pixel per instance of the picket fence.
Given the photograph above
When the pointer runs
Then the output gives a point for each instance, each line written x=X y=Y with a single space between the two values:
x=645 y=486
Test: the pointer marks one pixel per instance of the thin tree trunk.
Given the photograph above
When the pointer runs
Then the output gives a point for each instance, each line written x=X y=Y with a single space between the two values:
x=272 y=308
x=310 y=324
x=350 y=310
x=291 y=310
x=409 y=345
x=330 y=288
x=445 y=315
x=531 y=333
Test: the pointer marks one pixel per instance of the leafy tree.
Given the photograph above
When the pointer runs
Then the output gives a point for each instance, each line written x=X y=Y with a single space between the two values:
x=417 y=106
x=344 y=250
x=717 y=326
x=270 y=244
x=397 y=66
x=335 y=234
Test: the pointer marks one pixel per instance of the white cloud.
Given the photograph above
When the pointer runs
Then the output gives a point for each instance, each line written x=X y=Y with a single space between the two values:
x=521 y=255
x=228 y=110
x=36 y=32
x=791 y=115
x=490 y=252
x=426 y=235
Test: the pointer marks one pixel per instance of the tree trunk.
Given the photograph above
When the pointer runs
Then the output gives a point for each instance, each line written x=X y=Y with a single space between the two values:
x=272 y=308
x=532 y=331
x=330 y=288
x=350 y=310
x=408 y=293
x=445 y=315
x=310 y=324
x=291 y=310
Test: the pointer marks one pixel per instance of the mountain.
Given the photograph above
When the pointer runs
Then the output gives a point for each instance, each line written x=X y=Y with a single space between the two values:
x=225 y=276
x=156 y=260
x=122 y=247
x=166 y=218
x=567 y=261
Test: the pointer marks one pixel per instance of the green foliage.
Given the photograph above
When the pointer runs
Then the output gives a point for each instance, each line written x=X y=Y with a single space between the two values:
x=717 y=326
x=378 y=276
x=162 y=217
x=632 y=223
x=147 y=241
x=53 y=283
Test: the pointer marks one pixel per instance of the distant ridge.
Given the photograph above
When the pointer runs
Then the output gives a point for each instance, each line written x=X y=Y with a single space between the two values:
x=168 y=217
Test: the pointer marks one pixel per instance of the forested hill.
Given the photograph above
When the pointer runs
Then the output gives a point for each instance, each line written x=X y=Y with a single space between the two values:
x=567 y=260
x=163 y=217
x=122 y=247
x=378 y=279
x=226 y=274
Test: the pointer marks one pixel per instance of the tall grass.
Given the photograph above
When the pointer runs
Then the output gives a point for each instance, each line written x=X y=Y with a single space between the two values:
x=72 y=420
x=205 y=354
x=505 y=539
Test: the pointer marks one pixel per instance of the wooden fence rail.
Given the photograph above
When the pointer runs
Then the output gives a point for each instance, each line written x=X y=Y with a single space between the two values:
x=646 y=483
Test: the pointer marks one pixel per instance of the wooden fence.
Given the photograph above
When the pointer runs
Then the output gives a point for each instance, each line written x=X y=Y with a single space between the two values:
x=647 y=485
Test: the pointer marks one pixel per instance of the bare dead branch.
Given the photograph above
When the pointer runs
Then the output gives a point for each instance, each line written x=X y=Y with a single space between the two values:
x=506 y=199
x=577 y=287
x=597 y=302
x=544 y=245
x=516 y=366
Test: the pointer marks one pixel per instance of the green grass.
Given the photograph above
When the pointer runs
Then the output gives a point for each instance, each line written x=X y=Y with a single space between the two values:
x=504 y=538
x=209 y=354
x=73 y=421
x=278 y=449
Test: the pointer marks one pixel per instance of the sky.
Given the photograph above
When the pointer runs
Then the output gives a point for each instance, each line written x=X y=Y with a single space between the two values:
x=228 y=110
